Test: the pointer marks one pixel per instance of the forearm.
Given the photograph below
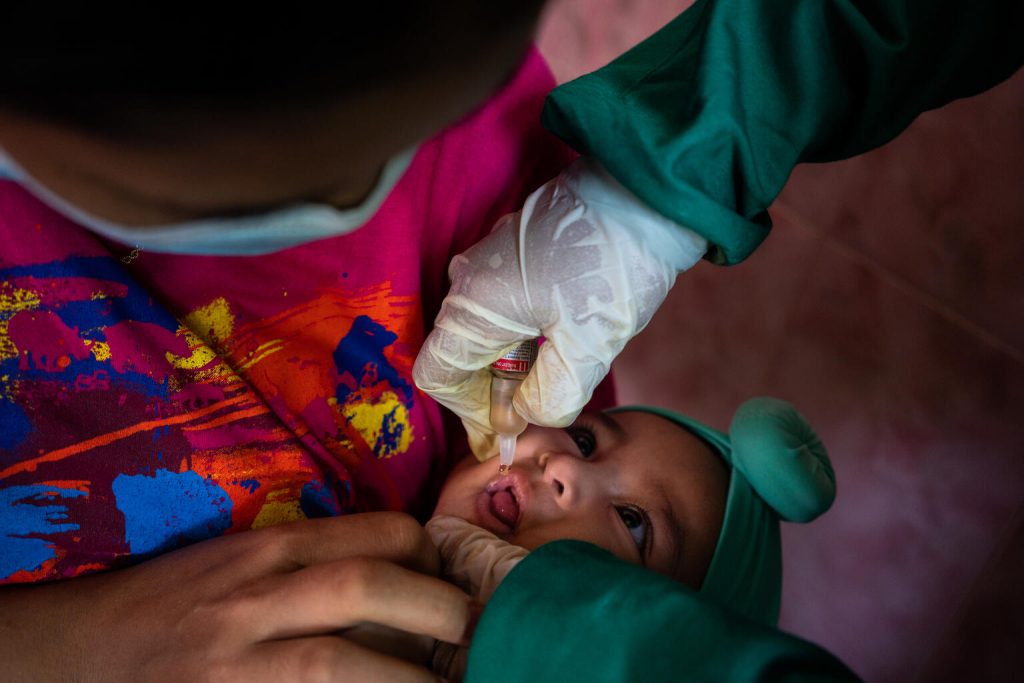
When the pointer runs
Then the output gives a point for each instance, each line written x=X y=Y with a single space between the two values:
x=706 y=119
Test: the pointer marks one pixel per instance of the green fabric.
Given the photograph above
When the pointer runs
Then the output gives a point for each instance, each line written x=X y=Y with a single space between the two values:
x=778 y=451
x=706 y=119
x=573 y=612
x=778 y=468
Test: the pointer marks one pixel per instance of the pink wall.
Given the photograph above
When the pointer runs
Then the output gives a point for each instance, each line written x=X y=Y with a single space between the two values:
x=887 y=306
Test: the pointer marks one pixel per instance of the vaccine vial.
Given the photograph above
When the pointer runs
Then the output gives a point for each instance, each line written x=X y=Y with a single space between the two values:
x=507 y=374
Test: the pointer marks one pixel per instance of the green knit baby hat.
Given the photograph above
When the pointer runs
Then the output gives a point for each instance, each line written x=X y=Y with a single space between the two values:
x=779 y=469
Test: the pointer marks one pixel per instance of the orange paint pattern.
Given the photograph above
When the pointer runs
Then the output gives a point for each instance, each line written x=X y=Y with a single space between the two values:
x=38 y=574
x=116 y=435
x=88 y=568
x=289 y=468
x=302 y=368
x=240 y=415
x=69 y=484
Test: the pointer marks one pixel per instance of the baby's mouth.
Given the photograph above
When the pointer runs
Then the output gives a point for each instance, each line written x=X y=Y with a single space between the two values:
x=500 y=505
x=505 y=507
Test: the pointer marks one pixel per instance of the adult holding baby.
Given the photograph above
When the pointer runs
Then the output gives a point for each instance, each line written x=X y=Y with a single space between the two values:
x=216 y=269
x=612 y=256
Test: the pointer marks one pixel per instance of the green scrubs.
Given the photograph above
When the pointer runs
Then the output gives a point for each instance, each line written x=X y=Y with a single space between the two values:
x=573 y=612
x=705 y=121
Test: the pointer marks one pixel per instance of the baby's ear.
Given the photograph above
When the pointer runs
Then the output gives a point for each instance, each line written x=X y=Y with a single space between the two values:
x=473 y=558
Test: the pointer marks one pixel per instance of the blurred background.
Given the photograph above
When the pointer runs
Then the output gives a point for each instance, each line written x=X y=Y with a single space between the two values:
x=887 y=305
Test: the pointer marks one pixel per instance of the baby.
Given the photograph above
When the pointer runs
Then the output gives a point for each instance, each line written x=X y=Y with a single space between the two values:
x=659 y=489
x=650 y=486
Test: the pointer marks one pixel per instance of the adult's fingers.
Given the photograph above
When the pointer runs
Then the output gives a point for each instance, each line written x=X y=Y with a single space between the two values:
x=392 y=642
x=451 y=367
x=461 y=383
x=221 y=564
x=450 y=661
x=483 y=442
x=326 y=658
x=390 y=536
x=324 y=598
x=561 y=382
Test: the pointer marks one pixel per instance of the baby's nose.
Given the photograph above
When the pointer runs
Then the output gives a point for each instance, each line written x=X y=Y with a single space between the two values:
x=561 y=475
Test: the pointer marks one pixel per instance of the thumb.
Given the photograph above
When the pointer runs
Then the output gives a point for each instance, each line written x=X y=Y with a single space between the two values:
x=473 y=558
x=482 y=441
x=559 y=385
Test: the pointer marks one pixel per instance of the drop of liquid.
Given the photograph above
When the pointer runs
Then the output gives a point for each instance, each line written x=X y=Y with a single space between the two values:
x=504 y=469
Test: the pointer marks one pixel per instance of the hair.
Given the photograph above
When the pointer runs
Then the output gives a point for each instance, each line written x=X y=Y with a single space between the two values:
x=130 y=76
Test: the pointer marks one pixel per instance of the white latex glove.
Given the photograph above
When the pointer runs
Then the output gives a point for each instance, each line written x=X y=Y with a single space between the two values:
x=584 y=264
x=475 y=560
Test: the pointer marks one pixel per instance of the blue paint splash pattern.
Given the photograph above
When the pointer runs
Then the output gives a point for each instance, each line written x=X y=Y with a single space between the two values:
x=30 y=512
x=170 y=509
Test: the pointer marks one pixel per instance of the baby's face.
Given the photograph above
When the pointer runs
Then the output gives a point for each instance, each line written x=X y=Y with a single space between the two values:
x=632 y=483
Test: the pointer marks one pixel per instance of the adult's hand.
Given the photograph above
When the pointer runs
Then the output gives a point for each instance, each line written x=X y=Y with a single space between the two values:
x=262 y=605
x=584 y=264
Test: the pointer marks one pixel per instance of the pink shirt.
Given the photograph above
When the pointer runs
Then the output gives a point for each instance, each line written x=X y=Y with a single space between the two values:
x=155 y=402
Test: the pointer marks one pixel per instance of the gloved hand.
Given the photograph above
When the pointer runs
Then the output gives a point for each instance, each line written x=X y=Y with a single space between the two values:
x=475 y=560
x=584 y=264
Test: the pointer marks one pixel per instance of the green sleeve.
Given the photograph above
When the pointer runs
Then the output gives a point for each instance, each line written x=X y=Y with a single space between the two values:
x=706 y=119
x=573 y=612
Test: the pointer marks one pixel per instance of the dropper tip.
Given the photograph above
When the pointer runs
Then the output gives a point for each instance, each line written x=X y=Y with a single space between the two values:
x=506 y=452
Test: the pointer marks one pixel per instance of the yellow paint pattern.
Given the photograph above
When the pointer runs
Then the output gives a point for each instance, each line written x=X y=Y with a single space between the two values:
x=275 y=511
x=201 y=353
x=11 y=301
x=369 y=419
x=100 y=350
x=213 y=323
x=203 y=329
x=7 y=387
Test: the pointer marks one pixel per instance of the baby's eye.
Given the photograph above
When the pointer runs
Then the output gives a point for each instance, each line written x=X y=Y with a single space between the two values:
x=584 y=439
x=636 y=523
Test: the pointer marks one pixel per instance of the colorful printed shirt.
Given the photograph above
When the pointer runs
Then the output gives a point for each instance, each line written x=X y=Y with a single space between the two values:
x=150 y=400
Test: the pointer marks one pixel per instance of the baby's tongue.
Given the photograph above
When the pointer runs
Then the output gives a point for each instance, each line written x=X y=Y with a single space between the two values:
x=505 y=507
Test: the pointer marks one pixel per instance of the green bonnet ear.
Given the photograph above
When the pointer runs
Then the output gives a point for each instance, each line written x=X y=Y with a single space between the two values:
x=778 y=470
x=782 y=458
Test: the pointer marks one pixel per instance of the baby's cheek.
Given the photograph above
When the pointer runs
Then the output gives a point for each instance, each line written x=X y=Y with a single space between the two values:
x=451 y=503
x=461 y=487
